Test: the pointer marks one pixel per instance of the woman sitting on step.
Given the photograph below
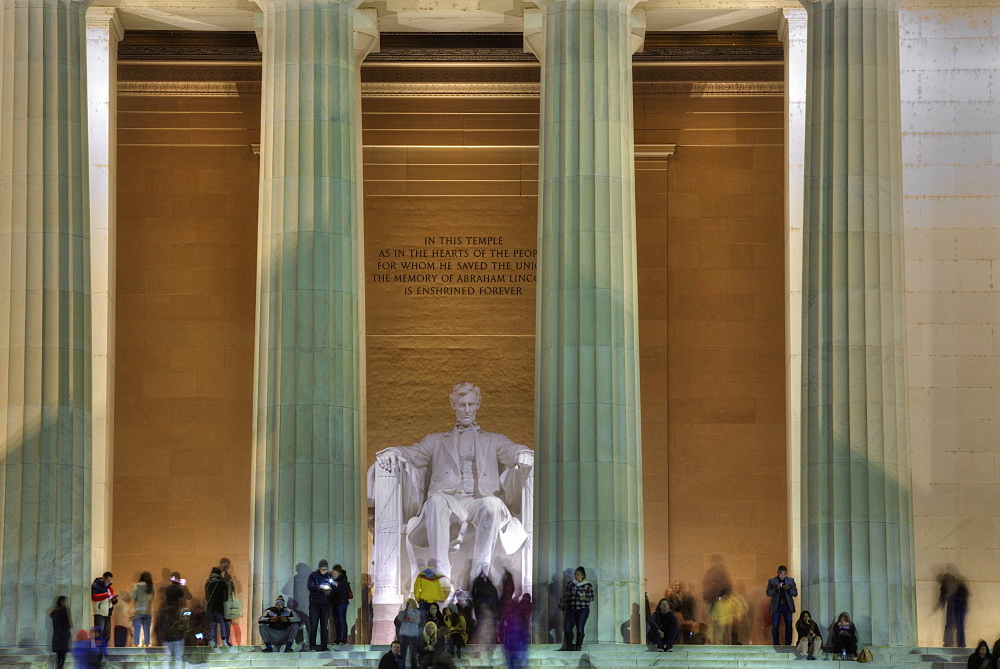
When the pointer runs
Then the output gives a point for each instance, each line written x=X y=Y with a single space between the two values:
x=845 y=637
x=810 y=640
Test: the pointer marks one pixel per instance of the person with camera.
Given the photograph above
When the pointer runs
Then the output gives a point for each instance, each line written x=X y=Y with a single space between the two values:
x=278 y=626
x=216 y=596
x=103 y=600
x=177 y=623
x=781 y=589
x=320 y=586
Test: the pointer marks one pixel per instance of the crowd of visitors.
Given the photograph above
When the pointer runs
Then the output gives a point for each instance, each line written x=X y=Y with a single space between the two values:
x=435 y=625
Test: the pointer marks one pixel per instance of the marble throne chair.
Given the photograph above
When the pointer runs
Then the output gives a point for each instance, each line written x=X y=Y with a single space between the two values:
x=395 y=499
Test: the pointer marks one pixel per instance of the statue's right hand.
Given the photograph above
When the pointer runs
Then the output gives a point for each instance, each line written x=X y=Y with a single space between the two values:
x=389 y=459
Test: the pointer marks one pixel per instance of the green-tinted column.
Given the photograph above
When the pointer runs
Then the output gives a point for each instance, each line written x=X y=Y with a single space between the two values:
x=307 y=457
x=588 y=485
x=45 y=362
x=857 y=518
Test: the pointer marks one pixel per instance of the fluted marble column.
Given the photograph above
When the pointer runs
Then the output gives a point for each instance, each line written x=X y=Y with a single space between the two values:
x=45 y=364
x=307 y=474
x=857 y=518
x=588 y=501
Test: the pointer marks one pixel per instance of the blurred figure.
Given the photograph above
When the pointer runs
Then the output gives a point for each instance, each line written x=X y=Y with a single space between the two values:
x=175 y=597
x=456 y=627
x=845 y=637
x=62 y=628
x=577 y=596
x=954 y=599
x=486 y=607
x=716 y=581
x=430 y=646
x=681 y=602
x=810 y=640
x=216 y=596
x=88 y=651
x=517 y=632
x=728 y=617
x=339 y=600
x=393 y=659
x=409 y=622
x=782 y=591
x=103 y=600
x=141 y=597
x=981 y=657
x=320 y=587
x=177 y=624
x=663 y=627
x=278 y=626
x=234 y=608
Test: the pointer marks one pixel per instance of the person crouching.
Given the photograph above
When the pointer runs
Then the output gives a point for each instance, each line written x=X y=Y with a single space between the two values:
x=278 y=626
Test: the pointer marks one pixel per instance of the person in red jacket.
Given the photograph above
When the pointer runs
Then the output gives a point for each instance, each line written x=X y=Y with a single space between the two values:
x=103 y=600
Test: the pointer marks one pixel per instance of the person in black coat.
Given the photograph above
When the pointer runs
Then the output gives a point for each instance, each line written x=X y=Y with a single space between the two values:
x=393 y=659
x=62 y=630
x=339 y=601
x=216 y=596
x=981 y=657
x=663 y=627
x=320 y=586
x=845 y=636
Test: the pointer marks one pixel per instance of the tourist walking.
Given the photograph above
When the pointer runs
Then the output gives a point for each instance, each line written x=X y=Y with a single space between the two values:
x=62 y=630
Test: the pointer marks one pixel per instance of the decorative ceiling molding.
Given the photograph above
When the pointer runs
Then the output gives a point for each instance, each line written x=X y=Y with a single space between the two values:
x=172 y=71
x=198 y=88
x=235 y=46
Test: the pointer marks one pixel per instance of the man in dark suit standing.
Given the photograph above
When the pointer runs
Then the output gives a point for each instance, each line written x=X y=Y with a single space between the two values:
x=781 y=589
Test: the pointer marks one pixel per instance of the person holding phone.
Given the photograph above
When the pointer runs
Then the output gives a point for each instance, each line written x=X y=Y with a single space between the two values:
x=320 y=586
x=781 y=589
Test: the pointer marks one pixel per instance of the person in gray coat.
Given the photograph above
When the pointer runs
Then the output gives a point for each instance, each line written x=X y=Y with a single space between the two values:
x=781 y=589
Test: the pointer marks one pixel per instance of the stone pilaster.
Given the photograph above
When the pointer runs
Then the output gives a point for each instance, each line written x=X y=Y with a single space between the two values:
x=588 y=502
x=307 y=467
x=104 y=31
x=857 y=517
x=45 y=356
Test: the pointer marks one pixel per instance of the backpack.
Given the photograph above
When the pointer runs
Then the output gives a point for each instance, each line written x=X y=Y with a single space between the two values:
x=865 y=655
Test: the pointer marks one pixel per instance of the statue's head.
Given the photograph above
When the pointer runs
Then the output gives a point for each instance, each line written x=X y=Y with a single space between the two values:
x=465 y=398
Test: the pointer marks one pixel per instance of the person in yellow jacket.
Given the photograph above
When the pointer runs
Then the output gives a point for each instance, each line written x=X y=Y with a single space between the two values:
x=430 y=588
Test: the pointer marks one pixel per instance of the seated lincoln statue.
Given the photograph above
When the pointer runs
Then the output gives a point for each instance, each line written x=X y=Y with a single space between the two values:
x=462 y=492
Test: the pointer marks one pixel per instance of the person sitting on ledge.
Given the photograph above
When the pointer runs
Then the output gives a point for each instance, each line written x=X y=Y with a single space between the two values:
x=810 y=641
x=663 y=627
x=981 y=657
x=845 y=637
x=278 y=626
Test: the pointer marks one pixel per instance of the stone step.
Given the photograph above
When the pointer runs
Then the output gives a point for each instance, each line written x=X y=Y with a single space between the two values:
x=603 y=656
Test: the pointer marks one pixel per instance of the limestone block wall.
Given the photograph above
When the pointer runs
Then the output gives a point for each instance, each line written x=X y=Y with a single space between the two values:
x=711 y=309
x=950 y=72
x=187 y=221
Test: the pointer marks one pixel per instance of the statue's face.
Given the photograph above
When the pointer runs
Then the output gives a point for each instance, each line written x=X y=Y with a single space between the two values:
x=465 y=409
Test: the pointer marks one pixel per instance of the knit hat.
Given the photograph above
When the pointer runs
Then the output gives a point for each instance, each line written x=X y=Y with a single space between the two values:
x=324 y=563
